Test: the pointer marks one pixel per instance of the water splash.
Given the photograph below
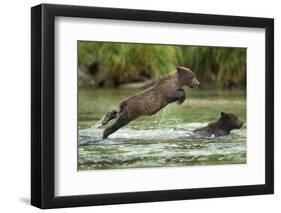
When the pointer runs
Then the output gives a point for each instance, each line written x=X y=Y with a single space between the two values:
x=178 y=116
x=97 y=124
x=169 y=146
x=169 y=132
x=163 y=116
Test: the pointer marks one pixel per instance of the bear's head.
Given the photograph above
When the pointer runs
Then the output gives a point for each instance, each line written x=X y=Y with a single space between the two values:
x=187 y=77
x=231 y=121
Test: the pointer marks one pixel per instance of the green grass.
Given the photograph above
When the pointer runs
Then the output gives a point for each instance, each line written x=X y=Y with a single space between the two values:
x=112 y=64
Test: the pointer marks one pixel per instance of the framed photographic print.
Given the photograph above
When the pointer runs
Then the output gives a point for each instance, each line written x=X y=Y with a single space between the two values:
x=139 y=106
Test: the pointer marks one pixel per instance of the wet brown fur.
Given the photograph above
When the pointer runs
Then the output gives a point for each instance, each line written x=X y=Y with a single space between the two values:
x=221 y=127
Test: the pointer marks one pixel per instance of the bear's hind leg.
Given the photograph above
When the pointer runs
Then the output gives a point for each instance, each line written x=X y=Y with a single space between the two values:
x=121 y=121
x=109 y=116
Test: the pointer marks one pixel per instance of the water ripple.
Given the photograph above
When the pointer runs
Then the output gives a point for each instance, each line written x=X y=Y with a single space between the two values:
x=177 y=146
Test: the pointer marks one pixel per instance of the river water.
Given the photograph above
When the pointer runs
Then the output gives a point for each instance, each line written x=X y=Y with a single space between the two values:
x=161 y=140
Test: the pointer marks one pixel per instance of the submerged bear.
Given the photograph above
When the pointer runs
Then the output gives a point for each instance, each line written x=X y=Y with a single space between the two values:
x=221 y=127
x=167 y=90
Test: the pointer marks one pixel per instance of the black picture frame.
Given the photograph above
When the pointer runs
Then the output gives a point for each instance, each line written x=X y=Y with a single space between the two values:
x=43 y=102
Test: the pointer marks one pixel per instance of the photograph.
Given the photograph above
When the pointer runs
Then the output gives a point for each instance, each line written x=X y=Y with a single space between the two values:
x=138 y=105
x=146 y=105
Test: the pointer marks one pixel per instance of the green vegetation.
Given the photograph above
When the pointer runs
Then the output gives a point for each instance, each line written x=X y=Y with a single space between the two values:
x=225 y=67
x=112 y=64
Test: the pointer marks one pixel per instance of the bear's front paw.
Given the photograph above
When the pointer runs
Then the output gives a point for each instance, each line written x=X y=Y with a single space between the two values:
x=180 y=101
x=181 y=96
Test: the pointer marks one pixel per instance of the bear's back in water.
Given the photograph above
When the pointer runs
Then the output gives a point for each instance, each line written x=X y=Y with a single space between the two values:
x=221 y=127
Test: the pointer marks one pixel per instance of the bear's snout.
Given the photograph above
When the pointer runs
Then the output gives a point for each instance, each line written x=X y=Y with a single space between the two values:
x=241 y=124
x=195 y=83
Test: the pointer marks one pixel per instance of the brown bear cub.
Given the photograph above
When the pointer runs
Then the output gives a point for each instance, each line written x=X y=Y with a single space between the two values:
x=167 y=90
x=221 y=127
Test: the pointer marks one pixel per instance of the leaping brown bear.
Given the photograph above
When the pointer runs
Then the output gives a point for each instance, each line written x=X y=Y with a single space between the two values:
x=167 y=90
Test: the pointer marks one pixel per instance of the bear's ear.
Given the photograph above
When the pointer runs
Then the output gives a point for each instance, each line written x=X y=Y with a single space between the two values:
x=223 y=114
